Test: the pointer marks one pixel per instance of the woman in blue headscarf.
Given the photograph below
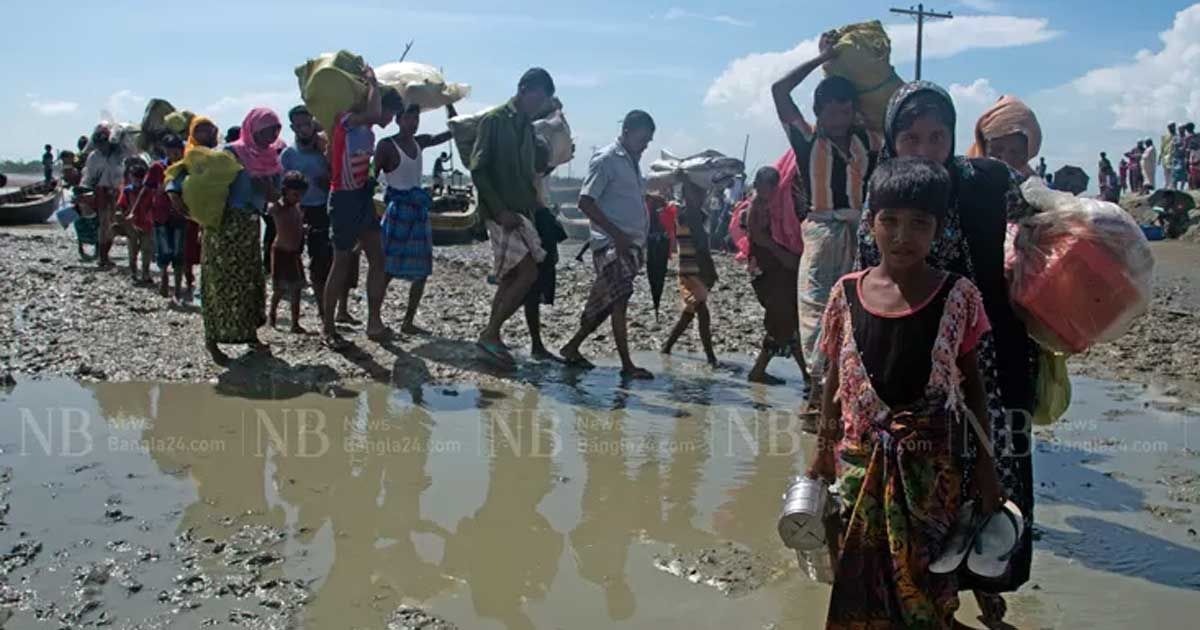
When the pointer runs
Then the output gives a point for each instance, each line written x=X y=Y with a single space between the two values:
x=920 y=122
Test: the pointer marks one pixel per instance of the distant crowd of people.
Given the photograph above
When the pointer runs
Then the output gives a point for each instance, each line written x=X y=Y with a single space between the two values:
x=1178 y=155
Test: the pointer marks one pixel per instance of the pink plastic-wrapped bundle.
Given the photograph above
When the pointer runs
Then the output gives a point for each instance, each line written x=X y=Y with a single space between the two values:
x=1080 y=272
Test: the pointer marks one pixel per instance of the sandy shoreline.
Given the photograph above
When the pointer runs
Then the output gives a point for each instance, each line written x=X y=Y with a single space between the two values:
x=66 y=318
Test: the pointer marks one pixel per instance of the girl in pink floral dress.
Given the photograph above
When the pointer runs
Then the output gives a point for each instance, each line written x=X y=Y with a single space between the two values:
x=903 y=411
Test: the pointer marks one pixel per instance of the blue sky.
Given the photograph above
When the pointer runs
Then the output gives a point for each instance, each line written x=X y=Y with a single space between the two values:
x=1099 y=74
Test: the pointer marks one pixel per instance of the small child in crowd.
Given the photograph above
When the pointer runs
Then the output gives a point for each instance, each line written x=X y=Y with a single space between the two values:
x=697 y=272
x=136 y=205
x=287 y=271
x=903 y=393
x=87 y=226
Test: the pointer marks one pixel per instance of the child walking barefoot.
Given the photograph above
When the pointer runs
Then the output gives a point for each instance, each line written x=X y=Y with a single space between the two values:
x=697 y=272
x=136 y=205
x=903 y=398
x=774 y=272
x=287 y=271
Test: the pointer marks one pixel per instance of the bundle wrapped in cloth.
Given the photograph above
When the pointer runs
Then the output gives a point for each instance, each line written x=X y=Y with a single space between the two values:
x=179 y=122
x=333 y=83
x=1080 y=272
x=154 y=123
x=864 y=57
x=710 y=170
x=210 y=172
x=421 y=84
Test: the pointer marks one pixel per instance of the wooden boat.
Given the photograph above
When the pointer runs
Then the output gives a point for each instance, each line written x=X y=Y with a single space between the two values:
x=454 y=217
x=31 y=204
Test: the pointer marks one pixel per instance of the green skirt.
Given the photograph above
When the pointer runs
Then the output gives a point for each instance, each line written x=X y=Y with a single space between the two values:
x=232 y=285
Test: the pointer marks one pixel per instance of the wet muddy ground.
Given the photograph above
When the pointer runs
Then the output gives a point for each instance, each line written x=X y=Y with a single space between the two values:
x=61 y=317
x=584 y=503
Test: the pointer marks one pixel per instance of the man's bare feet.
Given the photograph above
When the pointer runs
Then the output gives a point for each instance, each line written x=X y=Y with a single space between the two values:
x=636 y=373
x=540 y=353
x=218 y=357
x=766 y=379
x=410 y=328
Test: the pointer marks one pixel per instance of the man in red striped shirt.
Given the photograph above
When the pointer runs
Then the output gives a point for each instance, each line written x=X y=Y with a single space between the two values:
x=352 y=219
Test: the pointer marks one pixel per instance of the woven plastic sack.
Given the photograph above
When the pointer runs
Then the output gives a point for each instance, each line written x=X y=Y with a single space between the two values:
x=555 y=131
x=710 y=170
x=421 y=84
x=464 y=129
x=552 y=129
x=1053 y=388
x=210 y=172
x=331 y=84
x=1081 y=270
x=864 y=57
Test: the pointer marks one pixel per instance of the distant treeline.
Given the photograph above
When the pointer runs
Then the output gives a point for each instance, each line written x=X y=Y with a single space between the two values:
x=32 y=166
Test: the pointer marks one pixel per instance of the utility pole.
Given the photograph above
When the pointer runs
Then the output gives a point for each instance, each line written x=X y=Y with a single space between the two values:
x=921 y=14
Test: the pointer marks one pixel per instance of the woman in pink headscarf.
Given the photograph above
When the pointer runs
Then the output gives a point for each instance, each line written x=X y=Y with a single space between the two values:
x=232 y=283
x=1009 y=132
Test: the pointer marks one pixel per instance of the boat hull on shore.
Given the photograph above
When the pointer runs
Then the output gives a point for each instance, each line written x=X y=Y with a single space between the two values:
x=30 y=205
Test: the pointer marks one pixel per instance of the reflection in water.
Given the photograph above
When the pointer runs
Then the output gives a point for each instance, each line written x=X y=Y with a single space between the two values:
x=612 y=504
x=508 y=552
x=204 y=436
x=749 y=514
x=682 y=461
x=368 y=497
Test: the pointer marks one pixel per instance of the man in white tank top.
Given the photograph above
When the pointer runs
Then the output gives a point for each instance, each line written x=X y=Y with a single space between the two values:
x=407 y=233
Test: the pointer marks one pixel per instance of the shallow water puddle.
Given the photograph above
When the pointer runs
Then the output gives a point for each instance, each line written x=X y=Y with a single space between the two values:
x=546 y=506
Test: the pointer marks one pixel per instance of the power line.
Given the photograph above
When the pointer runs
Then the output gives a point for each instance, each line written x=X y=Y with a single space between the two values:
x=921 y=14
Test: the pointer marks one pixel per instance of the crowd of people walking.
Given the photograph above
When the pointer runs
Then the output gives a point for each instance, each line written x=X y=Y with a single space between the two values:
x=876 y=253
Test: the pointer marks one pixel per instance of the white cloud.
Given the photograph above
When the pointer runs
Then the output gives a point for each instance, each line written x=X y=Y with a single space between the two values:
x=124 y=106
x=1111 y=108
x=970 y=101
x=676 y=13
x=51 y=108
x=745 y=85
x=583 y=81
x=983 y=6
x=1155 y=86
x=230 y=110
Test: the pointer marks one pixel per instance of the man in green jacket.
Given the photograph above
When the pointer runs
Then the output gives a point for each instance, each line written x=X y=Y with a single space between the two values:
x=502 y=169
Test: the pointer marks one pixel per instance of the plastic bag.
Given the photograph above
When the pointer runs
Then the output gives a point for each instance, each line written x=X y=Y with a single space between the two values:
x=210 y=172
x=1081 y=270
x=1053 y=387
x=332 y=83
x=864 y=57
x=421 y=84
x=66 y=215
x=555 y=131
x=710 y=170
